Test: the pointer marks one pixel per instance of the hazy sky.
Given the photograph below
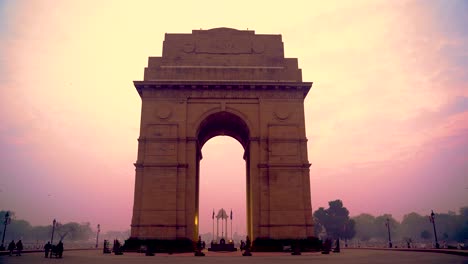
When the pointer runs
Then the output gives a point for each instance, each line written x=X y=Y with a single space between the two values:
x=386 y=118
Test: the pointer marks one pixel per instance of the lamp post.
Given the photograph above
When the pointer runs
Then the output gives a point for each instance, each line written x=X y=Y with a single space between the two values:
x=433 y=225
x=212 y=218
x=389 y=237
x=97 y=236
x=6 y=222
x=53 y=229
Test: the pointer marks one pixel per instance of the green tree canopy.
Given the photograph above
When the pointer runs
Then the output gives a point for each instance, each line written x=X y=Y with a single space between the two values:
x=451 y=227
x=335 y=220
x=74 y=231
x=381 y=227
x=413 y=224
x=425 y=234
x=365 y=227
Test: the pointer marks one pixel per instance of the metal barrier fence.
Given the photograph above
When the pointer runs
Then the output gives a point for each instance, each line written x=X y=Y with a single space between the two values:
x=39 y=245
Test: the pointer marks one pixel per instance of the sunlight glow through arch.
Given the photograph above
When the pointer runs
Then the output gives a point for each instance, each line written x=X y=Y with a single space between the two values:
x=222 y=183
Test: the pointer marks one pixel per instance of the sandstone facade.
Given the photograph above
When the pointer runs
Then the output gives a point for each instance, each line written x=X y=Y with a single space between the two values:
x=222 y=82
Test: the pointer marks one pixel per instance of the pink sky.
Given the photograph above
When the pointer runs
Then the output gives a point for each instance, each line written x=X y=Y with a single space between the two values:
x=387 y=117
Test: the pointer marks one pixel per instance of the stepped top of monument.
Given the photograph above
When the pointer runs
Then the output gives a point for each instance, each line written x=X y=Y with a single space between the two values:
x=223 y=54
x=222 y=41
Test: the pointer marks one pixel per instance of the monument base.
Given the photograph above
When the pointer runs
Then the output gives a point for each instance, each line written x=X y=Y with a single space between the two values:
x=159 y=245
x=279 y=245
x=222 y=247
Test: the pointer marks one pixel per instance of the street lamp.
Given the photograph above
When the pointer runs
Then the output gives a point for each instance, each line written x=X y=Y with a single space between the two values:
x=97 y=236
x=433 y=225
x=6 y=222
x=53 y=229
x=389 y=237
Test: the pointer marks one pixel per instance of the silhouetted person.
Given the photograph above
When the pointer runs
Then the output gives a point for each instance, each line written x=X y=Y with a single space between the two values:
x=60 y=249
x=11 y=247
x=337 y=248
x=105 y=248
x=117 y=248
x=199 y=243
x=47 y=249
x=296 y=248
x=199 y=252
x=326 y=246
x=247 y=247
x=19 y=248
x=242 y=245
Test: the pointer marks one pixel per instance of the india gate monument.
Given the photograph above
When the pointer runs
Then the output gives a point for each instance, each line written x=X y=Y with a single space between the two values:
x=214 y=82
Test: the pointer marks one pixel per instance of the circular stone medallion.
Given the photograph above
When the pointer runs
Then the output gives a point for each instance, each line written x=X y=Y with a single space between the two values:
x=164 y=112
x=282 y=114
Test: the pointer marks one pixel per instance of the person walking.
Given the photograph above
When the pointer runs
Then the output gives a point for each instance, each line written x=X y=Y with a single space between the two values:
x=19 y=248
x=60 y=249
x=47 y=249
x=11 y=247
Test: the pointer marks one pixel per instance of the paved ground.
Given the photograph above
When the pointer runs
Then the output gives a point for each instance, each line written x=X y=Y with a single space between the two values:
x=346 y=256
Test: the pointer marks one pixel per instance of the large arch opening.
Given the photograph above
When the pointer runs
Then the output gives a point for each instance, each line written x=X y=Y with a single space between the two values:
x=229 y=126
x=222 y=185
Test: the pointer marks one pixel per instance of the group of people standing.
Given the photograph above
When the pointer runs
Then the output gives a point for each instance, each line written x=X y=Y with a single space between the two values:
x=56 y=250
x=18 y=246
x=49 y=249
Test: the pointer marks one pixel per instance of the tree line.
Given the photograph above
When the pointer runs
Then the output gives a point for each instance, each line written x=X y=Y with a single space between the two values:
x=71 y=231
x=22 y=229
x=335 y=222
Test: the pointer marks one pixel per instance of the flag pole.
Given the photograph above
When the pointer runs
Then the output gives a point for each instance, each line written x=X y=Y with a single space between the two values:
x=212 y=218
x=232 y=239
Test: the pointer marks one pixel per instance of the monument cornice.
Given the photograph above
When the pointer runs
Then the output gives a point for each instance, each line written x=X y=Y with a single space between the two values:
x=156 y=225
x=284 y=165
x=147 y=164
x=241 y=85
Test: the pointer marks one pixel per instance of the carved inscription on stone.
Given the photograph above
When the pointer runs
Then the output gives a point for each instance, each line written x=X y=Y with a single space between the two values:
x=284 y=152
x=282 y=131
x=220 y=45
x=284 y=149
x=161 y=131
x=161 y=149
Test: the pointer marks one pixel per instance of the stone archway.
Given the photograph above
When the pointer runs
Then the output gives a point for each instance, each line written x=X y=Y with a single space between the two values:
x=228 y=124
x=213 y=82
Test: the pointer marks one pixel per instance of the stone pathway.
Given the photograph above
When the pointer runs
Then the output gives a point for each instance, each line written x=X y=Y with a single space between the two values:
x=346 y=256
